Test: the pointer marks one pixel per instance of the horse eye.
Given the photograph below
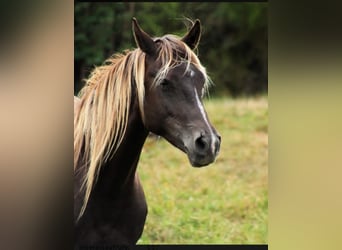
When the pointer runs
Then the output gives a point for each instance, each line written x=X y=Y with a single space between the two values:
x=164 y=83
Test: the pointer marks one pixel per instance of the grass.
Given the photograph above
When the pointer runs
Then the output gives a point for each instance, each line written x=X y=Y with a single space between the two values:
x=226 y=202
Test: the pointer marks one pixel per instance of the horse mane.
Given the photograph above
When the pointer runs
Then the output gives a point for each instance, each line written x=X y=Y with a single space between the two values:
x=101 y=119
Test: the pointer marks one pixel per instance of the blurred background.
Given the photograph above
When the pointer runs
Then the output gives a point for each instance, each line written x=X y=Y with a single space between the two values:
x=233 y=47
x=36 y=166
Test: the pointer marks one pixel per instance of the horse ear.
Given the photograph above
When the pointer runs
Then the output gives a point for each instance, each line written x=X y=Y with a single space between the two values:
x=193 y=36
x=142 y=39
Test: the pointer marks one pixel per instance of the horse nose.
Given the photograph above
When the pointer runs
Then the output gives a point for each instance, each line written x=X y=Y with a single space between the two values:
x=204 y=148
x=208 y=143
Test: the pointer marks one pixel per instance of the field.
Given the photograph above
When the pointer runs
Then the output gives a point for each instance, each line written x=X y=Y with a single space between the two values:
x=226 y=202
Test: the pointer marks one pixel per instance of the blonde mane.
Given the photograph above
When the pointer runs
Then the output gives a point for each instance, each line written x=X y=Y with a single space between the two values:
x=101 y=118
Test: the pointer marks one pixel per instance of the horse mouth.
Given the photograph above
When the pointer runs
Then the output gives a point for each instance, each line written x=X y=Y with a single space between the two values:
x=199 y=160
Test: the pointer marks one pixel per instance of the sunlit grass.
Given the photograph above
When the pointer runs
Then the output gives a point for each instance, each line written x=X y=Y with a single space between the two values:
x=226 y=202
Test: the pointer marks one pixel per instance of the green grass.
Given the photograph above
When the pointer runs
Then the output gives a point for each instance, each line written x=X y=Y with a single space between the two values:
x=226 y=202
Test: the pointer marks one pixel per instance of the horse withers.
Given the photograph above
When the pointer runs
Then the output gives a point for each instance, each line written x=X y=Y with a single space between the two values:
x=156 y=88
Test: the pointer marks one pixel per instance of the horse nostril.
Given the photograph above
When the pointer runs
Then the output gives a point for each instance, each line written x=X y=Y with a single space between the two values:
x=219 y=138
x=217 y=145
x=201 y=143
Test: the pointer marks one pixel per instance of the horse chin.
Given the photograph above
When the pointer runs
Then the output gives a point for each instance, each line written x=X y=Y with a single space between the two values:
x=200 y=161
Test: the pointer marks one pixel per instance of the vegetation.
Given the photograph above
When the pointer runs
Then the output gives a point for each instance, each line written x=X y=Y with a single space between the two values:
x=226 y=202
x=233 y=45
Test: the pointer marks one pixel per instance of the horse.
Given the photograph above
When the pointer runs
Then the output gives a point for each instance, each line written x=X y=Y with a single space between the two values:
x=156 y=88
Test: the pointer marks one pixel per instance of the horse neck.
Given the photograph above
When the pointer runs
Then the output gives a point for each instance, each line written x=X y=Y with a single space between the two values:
x=119 y=172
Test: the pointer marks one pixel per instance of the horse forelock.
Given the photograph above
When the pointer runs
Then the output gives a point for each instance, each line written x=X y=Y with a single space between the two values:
x=173 y=52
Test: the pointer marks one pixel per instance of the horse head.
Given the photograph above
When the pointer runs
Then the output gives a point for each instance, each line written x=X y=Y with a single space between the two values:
x=175 y=82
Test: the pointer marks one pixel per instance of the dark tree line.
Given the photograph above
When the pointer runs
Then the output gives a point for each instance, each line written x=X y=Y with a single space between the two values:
x=233 y=47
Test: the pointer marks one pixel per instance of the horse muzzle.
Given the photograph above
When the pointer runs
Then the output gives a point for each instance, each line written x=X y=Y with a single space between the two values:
x=203 y=148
